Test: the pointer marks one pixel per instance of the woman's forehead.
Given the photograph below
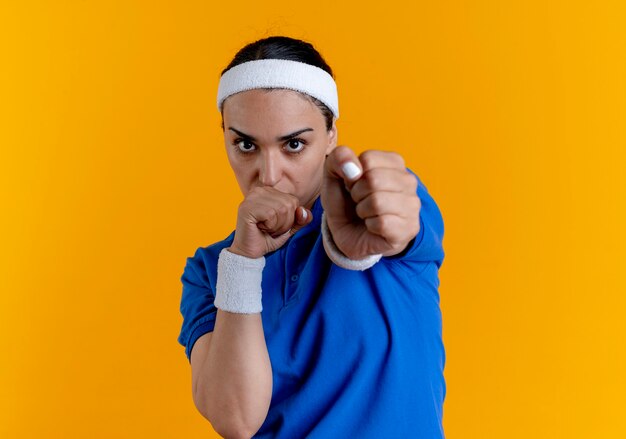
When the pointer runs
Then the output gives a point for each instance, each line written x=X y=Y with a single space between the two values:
x=270 y=106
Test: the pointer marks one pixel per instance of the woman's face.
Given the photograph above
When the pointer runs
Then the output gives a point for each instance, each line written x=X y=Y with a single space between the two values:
x=277 y=139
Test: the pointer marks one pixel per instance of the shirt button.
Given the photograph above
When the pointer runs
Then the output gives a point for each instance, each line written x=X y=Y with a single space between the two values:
x=294 y=277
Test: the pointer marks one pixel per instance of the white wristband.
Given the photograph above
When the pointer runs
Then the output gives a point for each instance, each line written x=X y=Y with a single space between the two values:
x=337 y=256
x=238 y=288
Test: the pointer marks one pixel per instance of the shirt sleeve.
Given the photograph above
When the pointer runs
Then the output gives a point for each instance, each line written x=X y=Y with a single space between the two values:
x=427 y=246
x=196 y=305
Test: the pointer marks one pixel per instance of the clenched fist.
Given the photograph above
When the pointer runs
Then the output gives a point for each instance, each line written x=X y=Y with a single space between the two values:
x=266 y=219
x=371 y=205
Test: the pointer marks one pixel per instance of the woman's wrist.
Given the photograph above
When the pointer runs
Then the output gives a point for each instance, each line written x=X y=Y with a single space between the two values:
x=238 y=251
x=338 y=257
x=238 y=288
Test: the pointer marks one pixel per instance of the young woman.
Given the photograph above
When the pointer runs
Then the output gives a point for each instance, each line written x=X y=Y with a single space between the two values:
x=318 y=316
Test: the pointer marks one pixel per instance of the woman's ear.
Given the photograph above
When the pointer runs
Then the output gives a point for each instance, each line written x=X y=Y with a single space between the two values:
x=332 y=138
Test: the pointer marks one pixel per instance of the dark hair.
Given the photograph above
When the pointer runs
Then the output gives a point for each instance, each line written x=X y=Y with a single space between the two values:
x=280 y=47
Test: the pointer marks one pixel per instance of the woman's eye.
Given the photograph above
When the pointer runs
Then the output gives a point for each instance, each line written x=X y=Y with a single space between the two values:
x=245 y=146
x=295 y=145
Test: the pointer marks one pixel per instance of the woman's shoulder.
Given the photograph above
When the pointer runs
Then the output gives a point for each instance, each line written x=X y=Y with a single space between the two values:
x=216 y=247
x=205 y=257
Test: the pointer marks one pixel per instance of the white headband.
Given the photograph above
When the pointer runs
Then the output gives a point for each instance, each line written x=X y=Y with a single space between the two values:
x=279 y=73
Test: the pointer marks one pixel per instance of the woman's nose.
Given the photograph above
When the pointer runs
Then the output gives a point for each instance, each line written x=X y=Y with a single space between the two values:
x=270 y=169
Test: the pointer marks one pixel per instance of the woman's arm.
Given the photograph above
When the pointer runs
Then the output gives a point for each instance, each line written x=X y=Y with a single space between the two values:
x=231 y=369
x=232 y=375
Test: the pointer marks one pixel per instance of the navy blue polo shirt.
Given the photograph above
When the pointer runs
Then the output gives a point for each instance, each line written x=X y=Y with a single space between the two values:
x=353 y=353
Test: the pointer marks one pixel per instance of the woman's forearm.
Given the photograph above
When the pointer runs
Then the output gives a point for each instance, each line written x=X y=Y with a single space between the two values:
x=234 y=387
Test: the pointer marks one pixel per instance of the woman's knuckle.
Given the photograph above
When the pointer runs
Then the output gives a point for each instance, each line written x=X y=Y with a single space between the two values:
x=384 y=223
x=418 y=204
x=411 y=182
x=295 y=202
x=377 y=202
x=373 y=179
x=416 y=228
x=367 y=158
x=360 y=210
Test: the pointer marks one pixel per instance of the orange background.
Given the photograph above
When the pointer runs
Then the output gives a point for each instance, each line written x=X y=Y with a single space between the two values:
x=112 y=172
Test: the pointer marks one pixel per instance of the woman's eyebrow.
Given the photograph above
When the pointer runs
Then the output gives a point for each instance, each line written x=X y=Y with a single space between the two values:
x=294 y=134
x=244 y=135
x=281 y=138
